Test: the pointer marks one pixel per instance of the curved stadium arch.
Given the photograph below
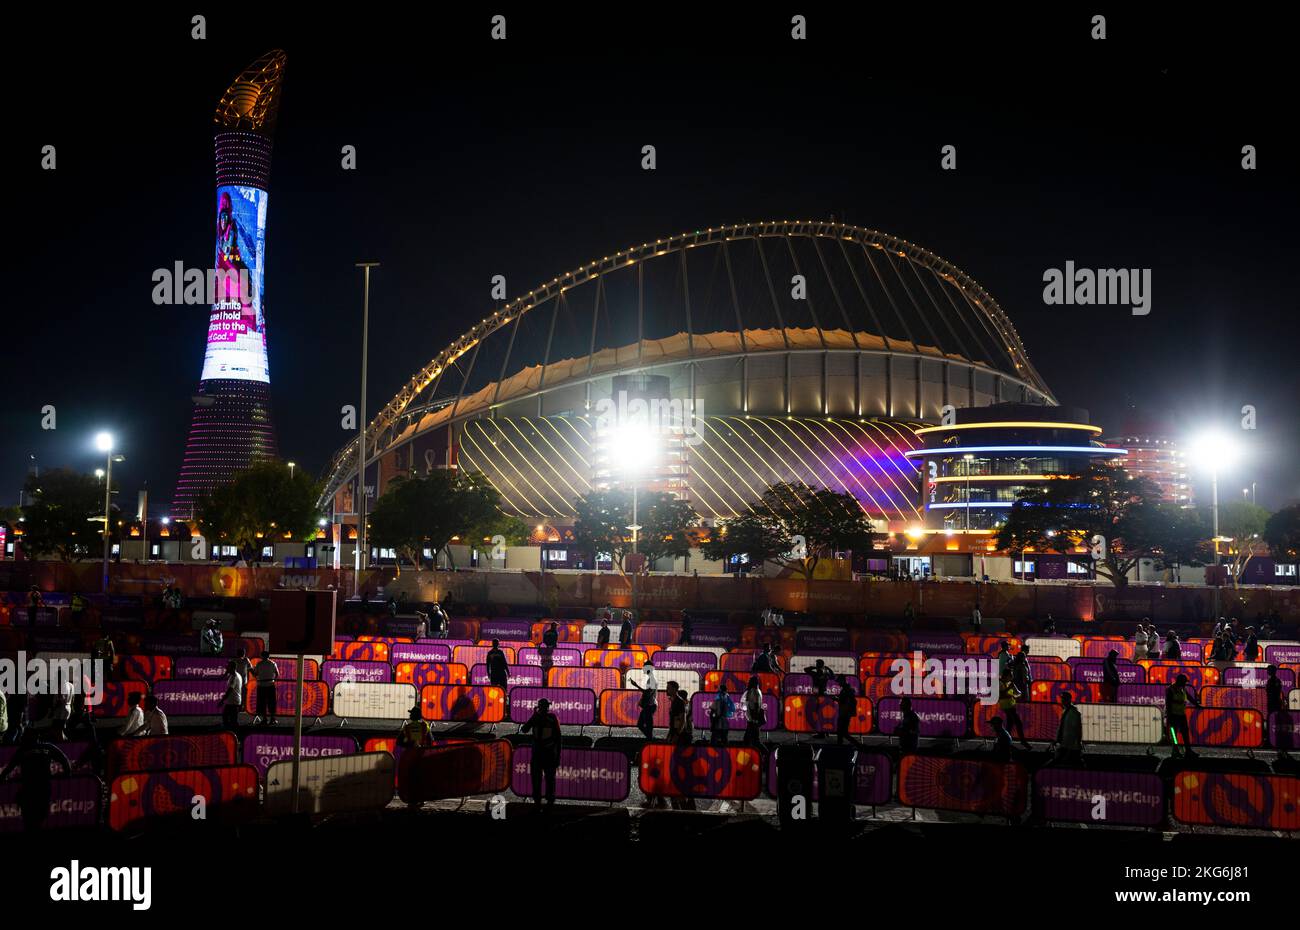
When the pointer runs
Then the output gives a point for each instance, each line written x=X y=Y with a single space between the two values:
x=824 y=387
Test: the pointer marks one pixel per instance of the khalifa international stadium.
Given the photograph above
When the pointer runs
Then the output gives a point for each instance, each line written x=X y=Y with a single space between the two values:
x=808 y=351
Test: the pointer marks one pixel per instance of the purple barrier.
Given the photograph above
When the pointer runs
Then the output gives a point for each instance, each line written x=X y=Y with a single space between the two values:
x=822 y=641
x=262 y=749
x=1132 y=799
x=1141 y=694
x=1282 y=655
x=700 y=702
x=799 y=683
x=1234 y=677
x=520 y=630
x=939 y=716
x=559 y=656
x=336 y=670
x=705 y=634
x=1284 y=730
x=74 y=802
x=420 y=652
x=931 y=641
x=874 y=783
x=583 y=774
x=199 y=698
x=1219 y=696
x=519 y=676
x=75 y=752
x=573 y=706
x=699 y=662
x=1093 y=672
x=194 y=667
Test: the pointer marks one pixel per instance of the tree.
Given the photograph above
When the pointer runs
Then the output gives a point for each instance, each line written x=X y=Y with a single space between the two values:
x=1282 y=533
x=604 y=518
x=266 y=501
x=1185 y=537
x=428 y=511
x=795 y=526
x=66 y=515
x=1104 y=500
x=1241 y=530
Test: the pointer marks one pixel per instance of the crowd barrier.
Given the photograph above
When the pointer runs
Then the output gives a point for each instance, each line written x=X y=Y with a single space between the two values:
x=971 y=786
x=737 y=682
x=372 y=700
x=1225 y=726
x=315 y=698
x=517 y=676
x=593 y=679
x=148 y=668
x=622 y=708
x=820 y=714
x=802 y=683
x=331 y=784
x=695 y=660
x=939 y=717
x=1132 y=799
x=1121 y=723
x=115 y=697
x=74 y=803
x=615 y=658
x=196 y=698
x=458 y=770
x=373 y=651
x=287 y=667
x=420 y=652
x=430 y=673
x=549 y=658
x=191 y=668
x=715 y=772
x=228 y=793
x=582 y=775
x=469 y=656
x=160 y=753
x=262 y=750
x=1220 y=799
x=1221 y=696
x=336 y=670
x=463 y=704
x=571 y=706
x=686 y=680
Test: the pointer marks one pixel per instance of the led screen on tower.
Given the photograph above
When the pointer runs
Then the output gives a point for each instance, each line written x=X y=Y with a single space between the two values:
x=237 y=328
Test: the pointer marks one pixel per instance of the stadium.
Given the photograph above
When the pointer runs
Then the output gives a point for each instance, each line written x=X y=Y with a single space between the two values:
x=800 y=351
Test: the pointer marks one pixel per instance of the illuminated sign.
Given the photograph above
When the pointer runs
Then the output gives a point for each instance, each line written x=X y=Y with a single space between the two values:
x=237 y=328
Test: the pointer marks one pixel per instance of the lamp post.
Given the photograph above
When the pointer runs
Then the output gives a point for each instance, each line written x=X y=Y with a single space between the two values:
x=104 y=443
x=1215 y=451
x=361 y=553
x=292 y=466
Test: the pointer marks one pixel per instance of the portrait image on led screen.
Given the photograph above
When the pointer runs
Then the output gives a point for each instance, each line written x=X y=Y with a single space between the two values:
x=236 y=329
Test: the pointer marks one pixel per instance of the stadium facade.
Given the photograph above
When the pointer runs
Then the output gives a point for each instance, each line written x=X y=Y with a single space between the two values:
x=231 y=424
x=806 y=351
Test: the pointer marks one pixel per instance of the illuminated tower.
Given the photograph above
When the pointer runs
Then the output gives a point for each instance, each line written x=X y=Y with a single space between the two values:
x=232 y=425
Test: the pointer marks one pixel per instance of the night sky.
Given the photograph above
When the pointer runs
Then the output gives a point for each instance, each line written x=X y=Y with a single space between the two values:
x=523 y=158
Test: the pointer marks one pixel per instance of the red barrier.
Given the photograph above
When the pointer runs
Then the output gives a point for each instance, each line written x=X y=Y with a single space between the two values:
x=1224 y=726
x=455 y=771
x=622 y=708
x=315 y=698
x=615 y=658
x=1221 y=799
x=738 y=682
x=969 y=785
x=1220 y=696
x=157 y=753
x=463 y=703
x=1041 y=719
x=810 y=713
x=724 y=772
x=1051 y=691
x=1164 y=673
x=595 y=680
x=229 y=794
x=144 y=668
x=115 y=697
x=359 y=651
x=431 y=673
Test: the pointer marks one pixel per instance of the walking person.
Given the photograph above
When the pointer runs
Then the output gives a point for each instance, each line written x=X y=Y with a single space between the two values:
x=233 y=697
x=602 y=636
x=1069 y=732
x=547 y=741
x=649 y=702
x=1008 y=696
x=688 y=628
x=820 y=675
x=846 y=705
x=415 y=732
x=61 y=706
x=1004 y=657
x=755 y=715
x=498 y=669
x=625 y=630
x=908 y=730
x=1110 y=678
x=1022 y=673
x=1177 y=698
x=720 y=712
x=977 y=619
x=1173 y=648
x=267 y=674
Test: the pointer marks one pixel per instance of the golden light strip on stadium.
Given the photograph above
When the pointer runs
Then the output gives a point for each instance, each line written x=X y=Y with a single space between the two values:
x=1009 y=424
x=529 y=462
x=755 y=494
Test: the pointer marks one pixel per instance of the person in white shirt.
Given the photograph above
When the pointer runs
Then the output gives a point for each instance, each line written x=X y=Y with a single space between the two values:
x=61 y=710
x=1140 y=643
x=233 y=697
x=267 y=674
x=753 y=712
x=155 y=721
x=134 y=725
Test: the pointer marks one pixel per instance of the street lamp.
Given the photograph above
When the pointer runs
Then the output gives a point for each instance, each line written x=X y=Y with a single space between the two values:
x=1215 y=451
x=104 y=443
x=291 y=468
x=632 y=449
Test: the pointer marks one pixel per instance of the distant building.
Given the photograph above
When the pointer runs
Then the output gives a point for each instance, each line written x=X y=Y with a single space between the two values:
x=1154 y=454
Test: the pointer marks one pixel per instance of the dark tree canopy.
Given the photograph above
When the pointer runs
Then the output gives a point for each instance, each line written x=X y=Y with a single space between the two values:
x=605 y=517
x=66 y=515
x=265 y=501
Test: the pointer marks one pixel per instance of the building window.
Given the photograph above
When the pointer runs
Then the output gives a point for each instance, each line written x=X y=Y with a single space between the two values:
x=1024 y=567
x=1076 y=568
x=1284 y=571
x=268 y=552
